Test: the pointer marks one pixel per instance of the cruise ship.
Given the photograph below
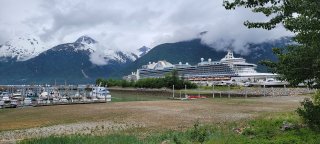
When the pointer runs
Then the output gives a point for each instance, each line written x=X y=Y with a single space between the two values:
x=228 y=68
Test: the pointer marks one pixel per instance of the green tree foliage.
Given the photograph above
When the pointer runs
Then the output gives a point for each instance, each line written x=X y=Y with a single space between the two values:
x=298 y=62
x=168 y=81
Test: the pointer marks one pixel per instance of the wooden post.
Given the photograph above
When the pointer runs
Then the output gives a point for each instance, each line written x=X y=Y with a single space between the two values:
x=264 y=90
x=173 y=91
x=185 y=90
x=212 y=90
x=246 y=92
x=272 y=91
x=229 y=91
x=285 y=90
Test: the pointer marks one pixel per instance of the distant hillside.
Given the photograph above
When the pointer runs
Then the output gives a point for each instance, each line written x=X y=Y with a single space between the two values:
x=192 y=51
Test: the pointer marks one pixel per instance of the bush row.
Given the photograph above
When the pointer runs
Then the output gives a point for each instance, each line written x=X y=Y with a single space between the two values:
x=168 y=81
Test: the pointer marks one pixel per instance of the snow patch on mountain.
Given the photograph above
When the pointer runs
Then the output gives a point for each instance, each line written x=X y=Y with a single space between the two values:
x=142 y=51
x=85 y=40
x=22 y=48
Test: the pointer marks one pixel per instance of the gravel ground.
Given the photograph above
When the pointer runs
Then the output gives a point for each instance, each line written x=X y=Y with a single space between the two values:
x=95 y=128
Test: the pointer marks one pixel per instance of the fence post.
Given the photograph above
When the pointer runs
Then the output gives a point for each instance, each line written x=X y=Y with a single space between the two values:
x=285 y=90
x=264 y=90
x=173 y=91
x=272 y=91
x=228 y=91
x=185 y=90
x=212 y=90
x=246 y=92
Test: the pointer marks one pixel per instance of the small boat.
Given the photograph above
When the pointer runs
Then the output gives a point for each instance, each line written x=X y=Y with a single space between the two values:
x=55 y=100
x=6 y=99
x=64 y=100
x=27 y=101
x=13 y=103
x=17 y=95
x=44 y=95
x=100 y=93
x=32 y=95
x=273 y=82
x=1 y=103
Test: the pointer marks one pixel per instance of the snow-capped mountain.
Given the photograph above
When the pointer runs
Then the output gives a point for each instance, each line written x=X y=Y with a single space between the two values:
x=102 y=53
x=143 y=50
x=21 y=48
x=85 y=40
x=81 y=61
x=25 y=47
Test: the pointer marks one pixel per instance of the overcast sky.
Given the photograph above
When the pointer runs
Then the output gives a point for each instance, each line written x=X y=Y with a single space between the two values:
x=130 y=24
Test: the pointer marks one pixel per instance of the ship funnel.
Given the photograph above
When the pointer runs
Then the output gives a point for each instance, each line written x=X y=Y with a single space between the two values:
x=209 y=60
x=202 y=59
x=187 y=63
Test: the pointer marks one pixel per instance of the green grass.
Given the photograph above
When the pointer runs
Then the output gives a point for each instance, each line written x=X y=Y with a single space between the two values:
x=265 y=129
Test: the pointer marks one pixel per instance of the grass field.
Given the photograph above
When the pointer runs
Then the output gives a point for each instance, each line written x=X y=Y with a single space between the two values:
x=142 y=117
x=264 y=129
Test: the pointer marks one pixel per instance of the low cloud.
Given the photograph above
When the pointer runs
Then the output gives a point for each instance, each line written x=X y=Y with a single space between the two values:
x=129 y=24
x=98 y=56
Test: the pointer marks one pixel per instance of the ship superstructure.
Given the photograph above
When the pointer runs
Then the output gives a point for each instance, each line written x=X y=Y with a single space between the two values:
x=239 y=65
x=225 y=69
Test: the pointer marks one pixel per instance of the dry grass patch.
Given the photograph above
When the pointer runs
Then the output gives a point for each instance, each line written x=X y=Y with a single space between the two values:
x=150 y=115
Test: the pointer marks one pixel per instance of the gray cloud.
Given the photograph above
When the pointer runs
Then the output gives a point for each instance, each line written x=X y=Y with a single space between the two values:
x=98 y=57
x=130 y=24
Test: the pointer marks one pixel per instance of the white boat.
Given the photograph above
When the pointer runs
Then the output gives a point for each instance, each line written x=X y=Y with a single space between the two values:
x=44 y=95
x=54 y=93
x=6 y=98
x=13 y=103
x=17 y=95
x=273 y=82
x=40 y=101
x=27 y=101
x=1 y=103
x=100 y=93
x=64 y=100
x=55 y=100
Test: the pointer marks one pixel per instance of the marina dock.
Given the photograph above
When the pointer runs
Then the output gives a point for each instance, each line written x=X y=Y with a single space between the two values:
x=45 y=95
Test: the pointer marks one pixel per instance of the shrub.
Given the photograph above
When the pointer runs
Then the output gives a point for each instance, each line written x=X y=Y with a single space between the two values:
x=168 y=81
x=199 y=134
x=310 y=111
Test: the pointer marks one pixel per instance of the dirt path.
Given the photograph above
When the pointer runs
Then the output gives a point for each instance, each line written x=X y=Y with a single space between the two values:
x=147 y=115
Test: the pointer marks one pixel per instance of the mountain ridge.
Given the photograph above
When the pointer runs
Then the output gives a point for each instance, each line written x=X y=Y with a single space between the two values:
x=72 y=62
